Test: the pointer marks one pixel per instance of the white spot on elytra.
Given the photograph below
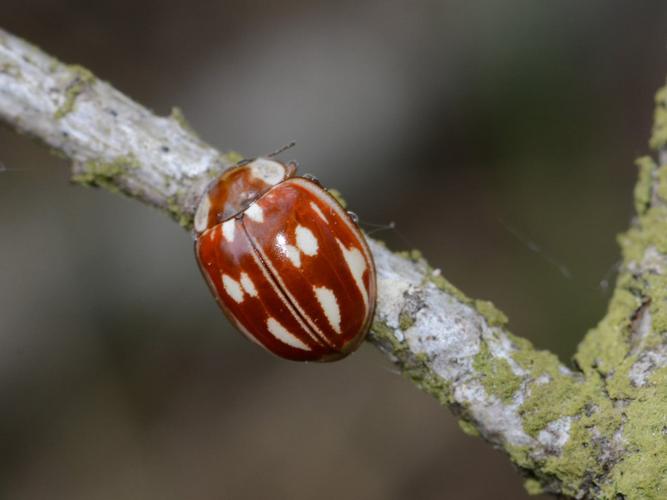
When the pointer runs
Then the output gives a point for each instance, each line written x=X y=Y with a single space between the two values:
x=291 y=307
x=248 y=285
x=306 y=241
x=327 y=300
x=255 y=213
x=289 y=251
x=228 y=229
x=293 y=255
x=284 y=335
x=267 y=170
x=201 y=215
x=292 y=304
x=317 y=210
x=233 y=288
x=357 y=265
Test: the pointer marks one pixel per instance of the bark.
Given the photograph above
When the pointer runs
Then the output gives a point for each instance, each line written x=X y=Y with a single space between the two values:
x=597 y=431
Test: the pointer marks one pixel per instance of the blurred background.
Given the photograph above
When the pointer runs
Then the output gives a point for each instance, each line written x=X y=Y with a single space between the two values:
x=485 y=130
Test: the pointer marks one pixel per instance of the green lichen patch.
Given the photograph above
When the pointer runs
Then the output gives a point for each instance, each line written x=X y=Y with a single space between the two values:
x=594 y=421
x=605 y=347
x=446 y=286
x=562 y=395
x=83 y=79
x=520 y=455
x=650 y=230
x=175 y=209
x=659 y=134
x=642 y=470
x=533 y=487
x=104 y=174
x=427 y=380
x=496 y=374
x=657 y=290
x=591 y=435
x=536 y=363
x=405 y=320
x=493 y=315
x=549 y=401
x=468 y=428
x=644 y=186
x=575 y=461
x=384 y=336
x=618 y=383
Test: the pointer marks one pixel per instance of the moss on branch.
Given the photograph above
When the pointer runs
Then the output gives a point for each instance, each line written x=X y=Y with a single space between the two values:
x=105 y=174
x=83 y=78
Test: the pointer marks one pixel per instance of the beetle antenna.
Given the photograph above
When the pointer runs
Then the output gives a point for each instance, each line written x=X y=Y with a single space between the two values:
x=282 y=149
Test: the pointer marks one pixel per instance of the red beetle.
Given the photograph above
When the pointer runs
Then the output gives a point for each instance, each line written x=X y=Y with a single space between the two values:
x=285 y=262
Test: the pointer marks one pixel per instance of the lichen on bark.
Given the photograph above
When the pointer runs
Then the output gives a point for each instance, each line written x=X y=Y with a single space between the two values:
x=82 y=79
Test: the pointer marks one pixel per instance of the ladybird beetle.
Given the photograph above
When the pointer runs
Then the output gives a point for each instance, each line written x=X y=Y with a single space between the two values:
x=285 y=262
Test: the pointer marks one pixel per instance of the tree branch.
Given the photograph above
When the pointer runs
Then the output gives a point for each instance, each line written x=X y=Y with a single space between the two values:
x=595 y=432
